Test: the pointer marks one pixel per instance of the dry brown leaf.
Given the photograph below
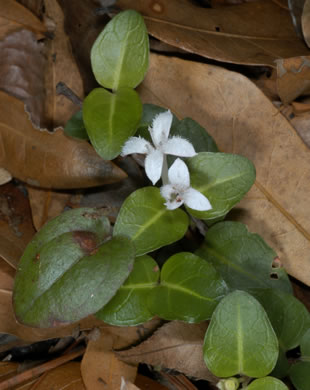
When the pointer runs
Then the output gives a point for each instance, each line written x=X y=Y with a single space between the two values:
x=61 y=67
x=101 y=368
x=242 y=120
x=293 y=78
x=35 y=6
x=170 y=347
x=16 y=228
x=126 y=385
x=255 y=33
x=143 y=382
x=46 y=204
x=68 y=376
x=49 y=160
x=5 y=176
x=14 y=17
x=21 y=64
x=7 y=274
x=83 y=25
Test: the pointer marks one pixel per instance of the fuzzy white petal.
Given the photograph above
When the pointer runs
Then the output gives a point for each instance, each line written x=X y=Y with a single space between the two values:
x=173 y=200
x=167 y=191
x=161 y=127
x=179 y=146
x=136 y=145
x=178 y=174
x=172 y=205
x=153 y=165
x=196 y=200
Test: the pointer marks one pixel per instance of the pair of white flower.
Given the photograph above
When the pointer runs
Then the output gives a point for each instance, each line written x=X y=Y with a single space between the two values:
x=178 y=191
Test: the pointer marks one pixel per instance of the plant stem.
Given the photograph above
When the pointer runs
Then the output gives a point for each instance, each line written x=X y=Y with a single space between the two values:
x=164 y=172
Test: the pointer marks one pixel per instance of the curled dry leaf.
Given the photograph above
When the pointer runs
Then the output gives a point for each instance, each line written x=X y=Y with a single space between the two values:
x=253 y=33
x=61 y=67
x=293 y=78
x=16 y=228
x=21 y=65
x=242 y=120
x=170 y=346
x=101 y=368
x=14 y=17
x=46 y=204
x=49 y=160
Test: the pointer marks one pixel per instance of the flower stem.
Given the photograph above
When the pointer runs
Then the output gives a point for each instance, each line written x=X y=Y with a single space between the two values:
x=164 y=172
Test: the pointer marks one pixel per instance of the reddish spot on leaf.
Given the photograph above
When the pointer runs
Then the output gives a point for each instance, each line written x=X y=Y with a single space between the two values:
x=86 y=240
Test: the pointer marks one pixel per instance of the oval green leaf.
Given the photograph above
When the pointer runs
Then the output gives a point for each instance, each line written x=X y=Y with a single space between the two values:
x=242 y=258
x=75 y=126
x=240 y=338
x=223 y=178
x=290 y=319
x=300 y=375
x=129 y=306
x=196 y=135
x=145 y=219
x=83 y=289
x=267 y=383
x=120 y=54
x=189 y=289
x=110 y=118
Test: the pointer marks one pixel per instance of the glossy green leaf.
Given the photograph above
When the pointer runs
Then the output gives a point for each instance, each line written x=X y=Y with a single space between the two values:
x=145 y=219
x=300 y=375
x=240 y=338
x=120 y=54
x=223 y=178
x=290 y=319
x=267 y=383
x=129 y=306
x=82 y=289
x=75 y=126
x=189 y=289
x=110 y=118
x=196 y=135
x=242 y=258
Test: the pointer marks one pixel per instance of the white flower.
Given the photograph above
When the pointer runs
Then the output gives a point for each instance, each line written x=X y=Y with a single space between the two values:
x=154 y=160
x=178 y=191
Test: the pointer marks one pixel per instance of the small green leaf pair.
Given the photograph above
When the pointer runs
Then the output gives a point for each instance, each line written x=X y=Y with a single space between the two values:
x=189 y=290
x=119 y=58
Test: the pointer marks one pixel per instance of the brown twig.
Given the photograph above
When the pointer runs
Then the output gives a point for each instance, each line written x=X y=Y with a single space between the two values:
x=36 y=371
x=63 y=89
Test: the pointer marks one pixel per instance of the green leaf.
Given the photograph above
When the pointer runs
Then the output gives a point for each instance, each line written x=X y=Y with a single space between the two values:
x=196 y=135
x=305 y=345
x=189 y=289
x=300 y=375
x=290 y=319
x=129 y=306
x=223 y=178
x=75 y=126
x=242 y=258
x=267 y=383
x=82 y=289
x=240 y=338
x=110 y=118
x=120 y=54
x=282 y=367
x=145 y=219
